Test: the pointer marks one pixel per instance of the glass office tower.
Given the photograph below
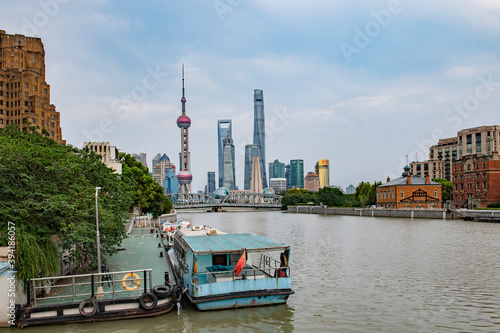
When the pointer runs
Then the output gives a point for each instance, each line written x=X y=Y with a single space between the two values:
x=224 y=126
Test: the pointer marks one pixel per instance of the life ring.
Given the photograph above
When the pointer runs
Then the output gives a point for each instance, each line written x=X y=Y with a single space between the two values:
x=85 y=304
x=162 y=291
x=148 y=298
x=135 y=283
x=176 y=294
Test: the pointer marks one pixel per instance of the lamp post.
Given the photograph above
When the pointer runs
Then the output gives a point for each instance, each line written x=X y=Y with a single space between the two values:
x=97 y=234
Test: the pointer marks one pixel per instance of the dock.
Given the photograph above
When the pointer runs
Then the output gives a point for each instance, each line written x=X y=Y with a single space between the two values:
x=134 y=283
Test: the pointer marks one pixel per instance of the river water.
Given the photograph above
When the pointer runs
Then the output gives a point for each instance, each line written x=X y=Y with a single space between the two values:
x=355 y=274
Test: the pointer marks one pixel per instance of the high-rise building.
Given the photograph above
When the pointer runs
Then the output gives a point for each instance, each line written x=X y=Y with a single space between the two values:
x=350 y=189
x=24 y=94
x=161 y=163
x=170 y=182
x=184 y=122
x=110 y=155
x=224 y=126
x=323 y=172
x=288 y=176
x=259 y=133
x=311 y=182
x=277 y=184
x=476 y=180
x=211 y=183
x=141 y=157
x=250 y=152
x=297 y=173
x=271 y=172
x=483 y=140
x=278 y=169
x=438 y=165
x=228 y=180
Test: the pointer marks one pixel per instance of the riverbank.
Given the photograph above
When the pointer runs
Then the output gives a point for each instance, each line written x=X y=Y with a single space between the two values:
x=374 y=212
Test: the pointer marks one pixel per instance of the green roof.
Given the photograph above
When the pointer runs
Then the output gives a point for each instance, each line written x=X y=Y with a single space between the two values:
x=224 y=243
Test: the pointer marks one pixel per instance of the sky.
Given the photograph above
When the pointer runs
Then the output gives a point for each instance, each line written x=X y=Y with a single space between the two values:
x=363 y=84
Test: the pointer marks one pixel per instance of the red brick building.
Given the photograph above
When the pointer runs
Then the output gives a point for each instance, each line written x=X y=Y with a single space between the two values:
x=410 y=192
x=476 y=181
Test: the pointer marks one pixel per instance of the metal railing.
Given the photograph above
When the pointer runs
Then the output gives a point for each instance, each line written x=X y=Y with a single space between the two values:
x=38 y=285
x=268 y=267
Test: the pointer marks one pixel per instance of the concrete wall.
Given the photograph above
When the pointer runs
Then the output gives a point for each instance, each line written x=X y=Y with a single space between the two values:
x=373 y=212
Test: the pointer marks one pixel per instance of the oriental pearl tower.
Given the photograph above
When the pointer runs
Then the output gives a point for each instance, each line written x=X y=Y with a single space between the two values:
x=183 y=122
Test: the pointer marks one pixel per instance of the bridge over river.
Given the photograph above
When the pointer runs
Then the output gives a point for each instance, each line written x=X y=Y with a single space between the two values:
x=236 y=200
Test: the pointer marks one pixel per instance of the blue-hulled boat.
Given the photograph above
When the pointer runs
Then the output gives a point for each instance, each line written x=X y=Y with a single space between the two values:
x=222 y=271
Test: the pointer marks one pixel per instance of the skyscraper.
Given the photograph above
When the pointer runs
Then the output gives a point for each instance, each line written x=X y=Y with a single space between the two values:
x=160 y=165
x=170 y=182
x=224 y=126
x=25 y=95
x=288 y=176
x=228 y=180
x=259 y=133
x=250 y=152
x=323 y=172
x=211 y=183
x=297 y=173
x=183 y=122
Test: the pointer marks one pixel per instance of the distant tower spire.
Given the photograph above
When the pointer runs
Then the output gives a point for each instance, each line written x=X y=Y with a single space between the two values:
x=183 y=99
x=184 y=122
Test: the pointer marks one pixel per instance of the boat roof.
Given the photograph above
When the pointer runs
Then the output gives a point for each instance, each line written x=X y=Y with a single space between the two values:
x=225 y=243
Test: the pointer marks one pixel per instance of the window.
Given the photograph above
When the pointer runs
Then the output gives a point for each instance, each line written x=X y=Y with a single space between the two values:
x=402 y=193
x=435 y=193
x=44 y=90
x=25 y=84
x=25 y=94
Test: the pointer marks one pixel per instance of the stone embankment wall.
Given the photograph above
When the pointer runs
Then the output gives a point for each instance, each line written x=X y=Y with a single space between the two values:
x=374 y=212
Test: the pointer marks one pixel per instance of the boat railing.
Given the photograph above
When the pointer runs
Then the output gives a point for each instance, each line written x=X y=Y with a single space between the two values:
x=246 y=273
x=88 y=285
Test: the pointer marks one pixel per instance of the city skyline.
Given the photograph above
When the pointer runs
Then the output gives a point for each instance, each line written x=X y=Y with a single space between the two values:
x=368 y=82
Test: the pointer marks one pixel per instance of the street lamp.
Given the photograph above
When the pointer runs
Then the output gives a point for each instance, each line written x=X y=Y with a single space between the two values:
x=97 y=234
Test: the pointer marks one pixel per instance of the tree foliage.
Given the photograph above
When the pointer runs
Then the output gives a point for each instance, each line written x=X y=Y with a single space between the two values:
x=333 y=197
x=366 y=193
x=147 y=193
x=447 y=187
x=48 y=191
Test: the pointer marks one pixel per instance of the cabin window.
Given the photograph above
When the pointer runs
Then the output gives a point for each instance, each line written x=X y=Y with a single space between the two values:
x=219 y=259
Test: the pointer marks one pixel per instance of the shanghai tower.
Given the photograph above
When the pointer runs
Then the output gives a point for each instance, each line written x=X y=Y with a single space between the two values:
x=259 y=134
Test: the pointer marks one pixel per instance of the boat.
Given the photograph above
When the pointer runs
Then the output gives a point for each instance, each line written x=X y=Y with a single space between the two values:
x=169 y=229
x=216 y=270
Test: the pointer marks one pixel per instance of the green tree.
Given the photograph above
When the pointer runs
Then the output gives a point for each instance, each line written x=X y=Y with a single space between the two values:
x=447 y=187
x=366 y=193
x=298 y=196
x=48 y=192
x=146 y=192
x=330 y=196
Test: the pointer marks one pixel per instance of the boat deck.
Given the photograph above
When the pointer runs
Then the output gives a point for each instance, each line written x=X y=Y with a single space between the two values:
x=139 y=251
